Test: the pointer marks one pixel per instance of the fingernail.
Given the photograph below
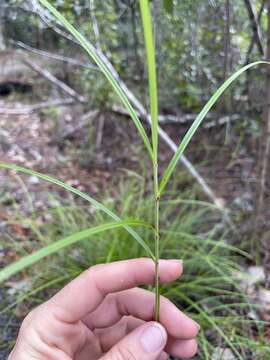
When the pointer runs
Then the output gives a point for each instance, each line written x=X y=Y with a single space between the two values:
x=153 y=338
x=177 y=261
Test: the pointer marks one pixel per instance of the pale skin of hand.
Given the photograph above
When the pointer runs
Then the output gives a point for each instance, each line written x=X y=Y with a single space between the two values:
x=103 y=314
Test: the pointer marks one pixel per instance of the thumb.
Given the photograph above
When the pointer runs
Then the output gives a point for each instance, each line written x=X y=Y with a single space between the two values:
x=145 y=343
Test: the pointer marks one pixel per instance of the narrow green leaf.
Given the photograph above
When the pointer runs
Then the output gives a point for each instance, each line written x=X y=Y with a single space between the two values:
x=90 y=49
x=213 y=323
x=151 y=67
x=152 y=86
x=31 y=259
x=211 y=102
x=92 y=201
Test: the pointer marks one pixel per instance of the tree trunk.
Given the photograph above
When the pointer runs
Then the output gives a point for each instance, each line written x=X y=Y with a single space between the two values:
x=227 y=39
x=262 y=209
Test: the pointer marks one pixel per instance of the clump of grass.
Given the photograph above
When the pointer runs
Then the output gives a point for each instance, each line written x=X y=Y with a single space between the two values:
x=208 y=290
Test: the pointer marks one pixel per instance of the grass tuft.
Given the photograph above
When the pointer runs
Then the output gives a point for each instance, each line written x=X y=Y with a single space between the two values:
x=208 y=291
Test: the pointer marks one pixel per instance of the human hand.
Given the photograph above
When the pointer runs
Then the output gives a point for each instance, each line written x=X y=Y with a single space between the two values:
x=102 y=314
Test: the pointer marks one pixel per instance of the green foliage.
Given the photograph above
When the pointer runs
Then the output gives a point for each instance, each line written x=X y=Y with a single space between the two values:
x=86 y=197
x=187 y=74
x=194 y=127
x=29 y=260
x=92 y=52
x=168 y=6
x=208 y=291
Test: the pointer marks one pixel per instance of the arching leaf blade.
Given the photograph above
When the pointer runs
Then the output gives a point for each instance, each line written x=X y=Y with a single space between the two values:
x=83 y=195
x=31 y=259
x=90 y=49
x=211 y=102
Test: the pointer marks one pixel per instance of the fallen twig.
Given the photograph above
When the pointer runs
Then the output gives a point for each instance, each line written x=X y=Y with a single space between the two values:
x=57 y=57
x=27 y=110
x=183 y=119
x=49 y=76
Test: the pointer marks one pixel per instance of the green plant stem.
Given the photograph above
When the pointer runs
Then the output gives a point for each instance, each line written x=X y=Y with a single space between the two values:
x=153 y=95
x=157 y=238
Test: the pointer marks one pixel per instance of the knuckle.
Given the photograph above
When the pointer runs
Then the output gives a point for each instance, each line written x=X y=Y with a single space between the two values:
x=92 y=272
x=34 y=322
x=28 y=320
x=93 y=269
x=27 y=332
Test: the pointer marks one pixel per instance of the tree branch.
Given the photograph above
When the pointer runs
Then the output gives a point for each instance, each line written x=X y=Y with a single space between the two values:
x=253 y=40
x=50 y=55
x=255 y=26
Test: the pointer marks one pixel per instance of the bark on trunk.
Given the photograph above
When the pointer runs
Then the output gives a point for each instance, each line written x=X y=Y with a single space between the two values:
x=262 y=220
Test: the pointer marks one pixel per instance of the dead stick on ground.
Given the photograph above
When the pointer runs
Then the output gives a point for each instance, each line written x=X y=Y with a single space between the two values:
x=185 y=118
x=28 y=110
x=49 y=76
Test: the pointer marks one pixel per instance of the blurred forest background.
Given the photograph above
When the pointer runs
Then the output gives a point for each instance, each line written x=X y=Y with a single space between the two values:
x=59 y=116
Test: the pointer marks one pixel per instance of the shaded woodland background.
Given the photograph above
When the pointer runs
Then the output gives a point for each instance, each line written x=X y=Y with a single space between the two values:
x=59 y=116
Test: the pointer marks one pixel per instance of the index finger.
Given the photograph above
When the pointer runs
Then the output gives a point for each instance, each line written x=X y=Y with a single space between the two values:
x=86 y=292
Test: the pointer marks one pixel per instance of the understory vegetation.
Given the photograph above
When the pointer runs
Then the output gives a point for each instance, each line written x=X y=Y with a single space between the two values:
x=209 y=291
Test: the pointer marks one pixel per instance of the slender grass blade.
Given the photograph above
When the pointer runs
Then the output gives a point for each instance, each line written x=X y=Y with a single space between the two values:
x=31 y=259
x=152 y=86
x=93 y=53
x=184 y=143
x=151 y=67
x=88 y=198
